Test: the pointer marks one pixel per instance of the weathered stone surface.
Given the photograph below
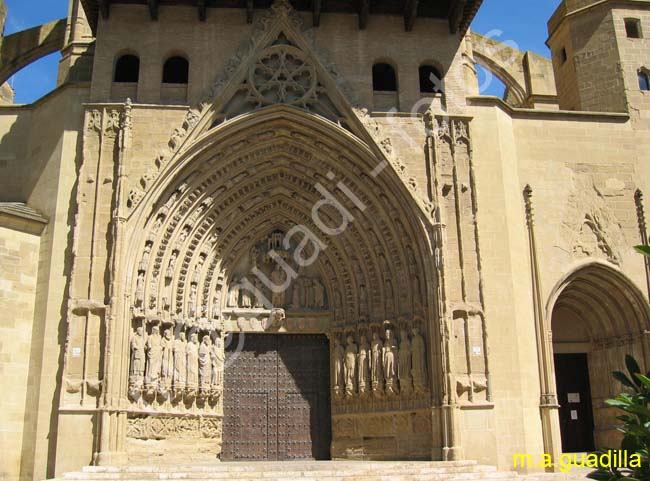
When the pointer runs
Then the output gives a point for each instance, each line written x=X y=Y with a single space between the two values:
x=448 y=253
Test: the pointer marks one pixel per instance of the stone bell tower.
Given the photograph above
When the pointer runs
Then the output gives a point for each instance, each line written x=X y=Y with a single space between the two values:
x=600 y=53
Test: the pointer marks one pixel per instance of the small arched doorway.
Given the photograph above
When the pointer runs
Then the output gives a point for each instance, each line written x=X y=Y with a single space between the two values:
x=597 y=317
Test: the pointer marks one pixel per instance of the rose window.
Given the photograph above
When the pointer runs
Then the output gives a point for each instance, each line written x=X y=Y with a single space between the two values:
x=282 y=75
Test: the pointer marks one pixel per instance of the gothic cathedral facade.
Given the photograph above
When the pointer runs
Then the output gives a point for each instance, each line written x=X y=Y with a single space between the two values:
x=293 y=229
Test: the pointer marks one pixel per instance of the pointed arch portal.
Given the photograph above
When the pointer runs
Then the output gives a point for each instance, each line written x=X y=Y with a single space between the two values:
x=598 y=316
x=281 y=222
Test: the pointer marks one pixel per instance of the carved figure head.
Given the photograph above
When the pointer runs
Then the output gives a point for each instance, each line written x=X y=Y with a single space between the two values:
x=168 y=334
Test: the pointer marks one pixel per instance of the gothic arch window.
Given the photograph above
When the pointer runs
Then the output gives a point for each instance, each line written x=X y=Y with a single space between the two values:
x=127 y=69
x=430 y=79
x=384 y=78
x=176 y=70
x=644 y=79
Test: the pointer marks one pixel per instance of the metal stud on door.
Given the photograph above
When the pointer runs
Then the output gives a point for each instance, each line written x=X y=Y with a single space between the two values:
x=276 y=399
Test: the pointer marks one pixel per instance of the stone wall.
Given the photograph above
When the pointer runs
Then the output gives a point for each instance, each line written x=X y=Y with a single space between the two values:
x=19 y=256
x=60 y=156
x=178 y=31
x=39 y=159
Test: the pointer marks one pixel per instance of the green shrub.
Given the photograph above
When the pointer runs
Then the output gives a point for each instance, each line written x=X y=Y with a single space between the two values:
x=635 y=402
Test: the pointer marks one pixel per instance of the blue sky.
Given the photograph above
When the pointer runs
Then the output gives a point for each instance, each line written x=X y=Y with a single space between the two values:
x=522 y=22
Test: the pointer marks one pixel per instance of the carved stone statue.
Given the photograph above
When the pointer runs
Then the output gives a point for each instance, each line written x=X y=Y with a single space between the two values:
x=277 y=318
x=297 y=296
x=216 y=305
x=376 y=364
x=144 y=263
x=351 y=352
x=180 y=362
x=319 y=294
x=218 y=358
x=404 y=364
x=139 y=289
x=363 y=300
x=154 y=357
x=171 y=267
x=419 y=361
x=167 y=372
x=192 y=380
x=339 y=360
x=363 y=366
x=390 y=362
x=278 y=277
x=191 y=305
x=182 y=237
x=167 y=294
x=254 y=256
x=205 y=364
x=259 y=293
x=233 y=294
x=155 y=228
x=246 y=299
x=138 y=358
x=309 y=293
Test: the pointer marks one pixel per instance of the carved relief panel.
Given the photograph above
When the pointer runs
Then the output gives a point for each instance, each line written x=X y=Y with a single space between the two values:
x=269 y=291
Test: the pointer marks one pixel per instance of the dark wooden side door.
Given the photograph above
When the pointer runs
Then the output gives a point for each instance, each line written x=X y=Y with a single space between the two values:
x=276 y=398
x=574 y=396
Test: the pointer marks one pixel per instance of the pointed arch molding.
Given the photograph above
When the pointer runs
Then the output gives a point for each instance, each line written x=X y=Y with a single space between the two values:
x=265 y=171
x=279 y=65
x=611 y=306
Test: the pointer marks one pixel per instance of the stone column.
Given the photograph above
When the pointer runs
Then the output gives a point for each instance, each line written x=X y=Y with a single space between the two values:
x=444 y=408
x=548 y=404
x=112 y=434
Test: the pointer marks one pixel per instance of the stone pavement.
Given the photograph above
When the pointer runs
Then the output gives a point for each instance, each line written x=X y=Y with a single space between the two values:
x=314 y=471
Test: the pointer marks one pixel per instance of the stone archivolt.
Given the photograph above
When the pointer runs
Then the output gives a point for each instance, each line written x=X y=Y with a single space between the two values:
x=196 y=225
x=243 y=187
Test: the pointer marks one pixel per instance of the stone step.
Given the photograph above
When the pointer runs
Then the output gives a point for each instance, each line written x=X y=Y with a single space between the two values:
x=322 y=475
x=297 y=470
x=463 y=476
x=278 y=466
x=286 y=471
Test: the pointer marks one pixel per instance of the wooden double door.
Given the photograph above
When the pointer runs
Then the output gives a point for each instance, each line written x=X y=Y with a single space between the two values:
x=276 y=398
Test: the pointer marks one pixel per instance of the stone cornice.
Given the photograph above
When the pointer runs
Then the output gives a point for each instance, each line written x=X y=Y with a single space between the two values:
x=17 y=216
x=460 y=13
